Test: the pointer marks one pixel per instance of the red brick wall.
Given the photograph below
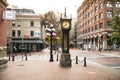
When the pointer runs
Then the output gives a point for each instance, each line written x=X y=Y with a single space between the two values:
x=3 y=25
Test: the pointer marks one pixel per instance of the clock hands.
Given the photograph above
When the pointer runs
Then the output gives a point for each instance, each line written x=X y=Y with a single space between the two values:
x=65 y=24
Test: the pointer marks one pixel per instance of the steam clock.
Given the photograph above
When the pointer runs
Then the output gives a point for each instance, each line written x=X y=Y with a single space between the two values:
x=65 y=60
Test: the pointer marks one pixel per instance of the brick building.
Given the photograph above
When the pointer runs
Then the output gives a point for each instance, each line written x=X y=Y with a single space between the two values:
x=3 y=26
x=25 y=31
x=93 y=19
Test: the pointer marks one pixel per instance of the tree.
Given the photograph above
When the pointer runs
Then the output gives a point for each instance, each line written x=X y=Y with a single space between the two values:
x=51 y=18
x=115 y=25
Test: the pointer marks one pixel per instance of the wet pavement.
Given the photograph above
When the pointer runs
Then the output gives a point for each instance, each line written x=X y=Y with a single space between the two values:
x=38 y=67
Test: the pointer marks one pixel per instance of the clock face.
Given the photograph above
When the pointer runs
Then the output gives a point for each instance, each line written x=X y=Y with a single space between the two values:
x=65 y=24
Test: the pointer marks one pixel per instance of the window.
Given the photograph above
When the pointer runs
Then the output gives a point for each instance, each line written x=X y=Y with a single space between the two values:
x=109 y=14
x=92 y=28
x=88 y=22
x=91 y=12
x=13 y=33
x=95 y=1
x=95 y=18
x=118 y=13
x=19 y=33
x=88 y=30
x=92 y=20
x=88 y=14
x=32 y=33
x=100 y=25
x=109 y=4
x=32 y=23
x=18 y=24
x=85 y=16
x=96 y=27
x=100 y=15
x=100 y=5
x=13 y=23
x=118 y=4
x=96 y=9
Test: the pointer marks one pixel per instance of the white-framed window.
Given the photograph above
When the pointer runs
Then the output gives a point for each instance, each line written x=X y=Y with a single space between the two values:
x=109 y=14
x=109 y=4
x=118 y=4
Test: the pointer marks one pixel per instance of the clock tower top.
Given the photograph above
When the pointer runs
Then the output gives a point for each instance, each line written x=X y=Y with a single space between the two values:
x=65 y=15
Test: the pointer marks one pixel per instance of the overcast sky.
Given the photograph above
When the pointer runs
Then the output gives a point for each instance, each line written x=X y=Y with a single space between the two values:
x=43 y=6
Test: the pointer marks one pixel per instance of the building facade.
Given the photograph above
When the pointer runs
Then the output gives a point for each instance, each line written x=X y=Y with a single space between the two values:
x=93 y=21
x=3 y=26
x=24 y=32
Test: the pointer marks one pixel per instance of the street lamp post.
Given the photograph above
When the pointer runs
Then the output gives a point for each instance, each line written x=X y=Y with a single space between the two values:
x=50 y=31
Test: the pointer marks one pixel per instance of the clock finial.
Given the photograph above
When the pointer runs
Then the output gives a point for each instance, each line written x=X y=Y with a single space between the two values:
x=65 y=13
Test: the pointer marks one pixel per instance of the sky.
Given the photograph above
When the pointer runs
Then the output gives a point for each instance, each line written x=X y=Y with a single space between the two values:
x=43 y=6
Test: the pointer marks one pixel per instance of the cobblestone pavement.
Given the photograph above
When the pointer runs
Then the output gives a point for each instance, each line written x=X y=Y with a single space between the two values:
x=42 y=69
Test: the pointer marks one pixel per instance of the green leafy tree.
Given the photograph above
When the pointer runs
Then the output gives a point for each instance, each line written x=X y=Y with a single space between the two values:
x=115 y=25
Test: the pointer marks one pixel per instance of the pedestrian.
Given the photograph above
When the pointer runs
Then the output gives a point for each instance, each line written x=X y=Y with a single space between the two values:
x=15 y=50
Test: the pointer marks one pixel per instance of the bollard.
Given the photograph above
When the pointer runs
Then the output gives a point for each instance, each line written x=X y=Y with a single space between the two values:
x=26 y=57
x=22 y=56
x=76 y=59
x=57 y=57
x=13 y=57
x=9 y=57
x=55 y=50
x=85 y=62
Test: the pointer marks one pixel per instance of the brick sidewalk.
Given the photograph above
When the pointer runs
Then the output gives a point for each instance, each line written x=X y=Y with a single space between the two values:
x=44 y=70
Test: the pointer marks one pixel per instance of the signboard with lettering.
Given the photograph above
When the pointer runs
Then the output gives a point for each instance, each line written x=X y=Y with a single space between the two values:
x=9 y=14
